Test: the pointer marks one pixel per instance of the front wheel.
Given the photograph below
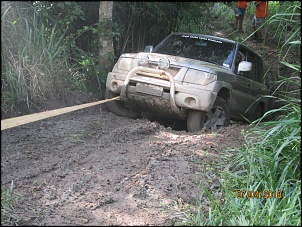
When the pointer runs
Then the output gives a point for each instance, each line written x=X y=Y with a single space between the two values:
x=118 y=108
x=218 y=117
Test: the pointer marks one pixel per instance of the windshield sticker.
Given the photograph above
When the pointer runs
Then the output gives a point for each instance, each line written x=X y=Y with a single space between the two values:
x=202 y=38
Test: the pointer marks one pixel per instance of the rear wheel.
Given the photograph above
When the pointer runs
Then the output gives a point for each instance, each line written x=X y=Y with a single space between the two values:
x=118 y=107
x=218 y=117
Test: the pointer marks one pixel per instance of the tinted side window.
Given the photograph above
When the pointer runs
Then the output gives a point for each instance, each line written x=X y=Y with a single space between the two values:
x=256 y=73
x=257 y=68
x=260 y=70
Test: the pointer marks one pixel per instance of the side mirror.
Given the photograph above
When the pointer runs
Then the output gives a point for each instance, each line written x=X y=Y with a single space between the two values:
x=148 y=49
x=244 y=66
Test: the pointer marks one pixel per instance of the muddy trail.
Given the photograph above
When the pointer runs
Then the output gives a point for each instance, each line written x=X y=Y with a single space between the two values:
x=91 y=167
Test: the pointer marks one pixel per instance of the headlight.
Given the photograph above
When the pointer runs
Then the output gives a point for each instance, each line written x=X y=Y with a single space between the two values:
x=124 y=63
x=164 y=63
x=142 y=59
x=199 y=77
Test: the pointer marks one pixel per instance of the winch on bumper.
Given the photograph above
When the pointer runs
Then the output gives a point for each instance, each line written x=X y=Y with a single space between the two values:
x=144 y=89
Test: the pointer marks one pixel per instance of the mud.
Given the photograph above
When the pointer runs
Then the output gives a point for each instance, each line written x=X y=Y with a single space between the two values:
x=91 y=167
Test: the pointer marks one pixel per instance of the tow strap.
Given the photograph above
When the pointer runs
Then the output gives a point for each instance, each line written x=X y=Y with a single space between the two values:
x=16 y=121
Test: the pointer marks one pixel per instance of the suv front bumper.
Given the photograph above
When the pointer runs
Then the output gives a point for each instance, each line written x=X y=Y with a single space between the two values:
x=147 y=85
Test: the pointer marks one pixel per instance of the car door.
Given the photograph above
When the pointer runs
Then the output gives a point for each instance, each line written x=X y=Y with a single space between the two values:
x=244 y=94
x=259 y=89
x=257 y=72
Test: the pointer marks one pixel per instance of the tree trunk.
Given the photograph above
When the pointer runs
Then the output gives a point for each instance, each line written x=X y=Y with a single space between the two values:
x=106 y=38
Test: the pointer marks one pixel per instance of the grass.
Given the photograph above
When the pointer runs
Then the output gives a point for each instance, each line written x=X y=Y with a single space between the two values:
x=8 y=199
x=30 y=66
x=269 y=161
x=35 y=60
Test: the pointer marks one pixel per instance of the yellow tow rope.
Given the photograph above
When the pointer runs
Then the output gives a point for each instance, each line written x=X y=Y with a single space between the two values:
x=16 y=121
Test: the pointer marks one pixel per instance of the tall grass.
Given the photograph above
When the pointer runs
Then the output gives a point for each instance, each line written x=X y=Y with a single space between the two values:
x=35 y=59
x=268 y=161
x=268 y=164
x=30 y=66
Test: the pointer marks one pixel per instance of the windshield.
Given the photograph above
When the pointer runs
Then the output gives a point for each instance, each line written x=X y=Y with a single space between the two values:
x=198 y=47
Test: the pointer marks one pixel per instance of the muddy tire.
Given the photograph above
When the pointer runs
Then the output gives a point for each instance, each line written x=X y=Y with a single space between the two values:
x=118 y=107
x=218 y=117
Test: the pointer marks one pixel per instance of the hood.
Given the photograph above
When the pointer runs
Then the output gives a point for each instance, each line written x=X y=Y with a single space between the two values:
x=181 y=62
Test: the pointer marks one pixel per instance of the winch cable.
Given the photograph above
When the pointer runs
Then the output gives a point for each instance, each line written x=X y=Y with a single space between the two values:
x=16 y=121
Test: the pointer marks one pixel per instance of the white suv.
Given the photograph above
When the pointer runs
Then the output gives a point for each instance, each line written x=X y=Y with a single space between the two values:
x=204 y=79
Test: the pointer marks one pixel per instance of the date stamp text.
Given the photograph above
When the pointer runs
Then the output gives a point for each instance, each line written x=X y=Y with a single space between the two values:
x=266 y=194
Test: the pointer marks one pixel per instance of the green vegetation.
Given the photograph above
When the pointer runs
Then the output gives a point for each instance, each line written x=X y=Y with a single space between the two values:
x=6 y=199
x=49 y=48
x=260 y=182
x=267 y=165
x=7 y=204
x=41 y=57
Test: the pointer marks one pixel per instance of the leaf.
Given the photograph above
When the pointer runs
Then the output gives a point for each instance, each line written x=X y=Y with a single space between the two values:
x=295 y=42
x=295 y=67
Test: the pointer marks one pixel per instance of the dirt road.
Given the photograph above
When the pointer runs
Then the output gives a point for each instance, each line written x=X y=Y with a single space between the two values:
x=91 y=167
